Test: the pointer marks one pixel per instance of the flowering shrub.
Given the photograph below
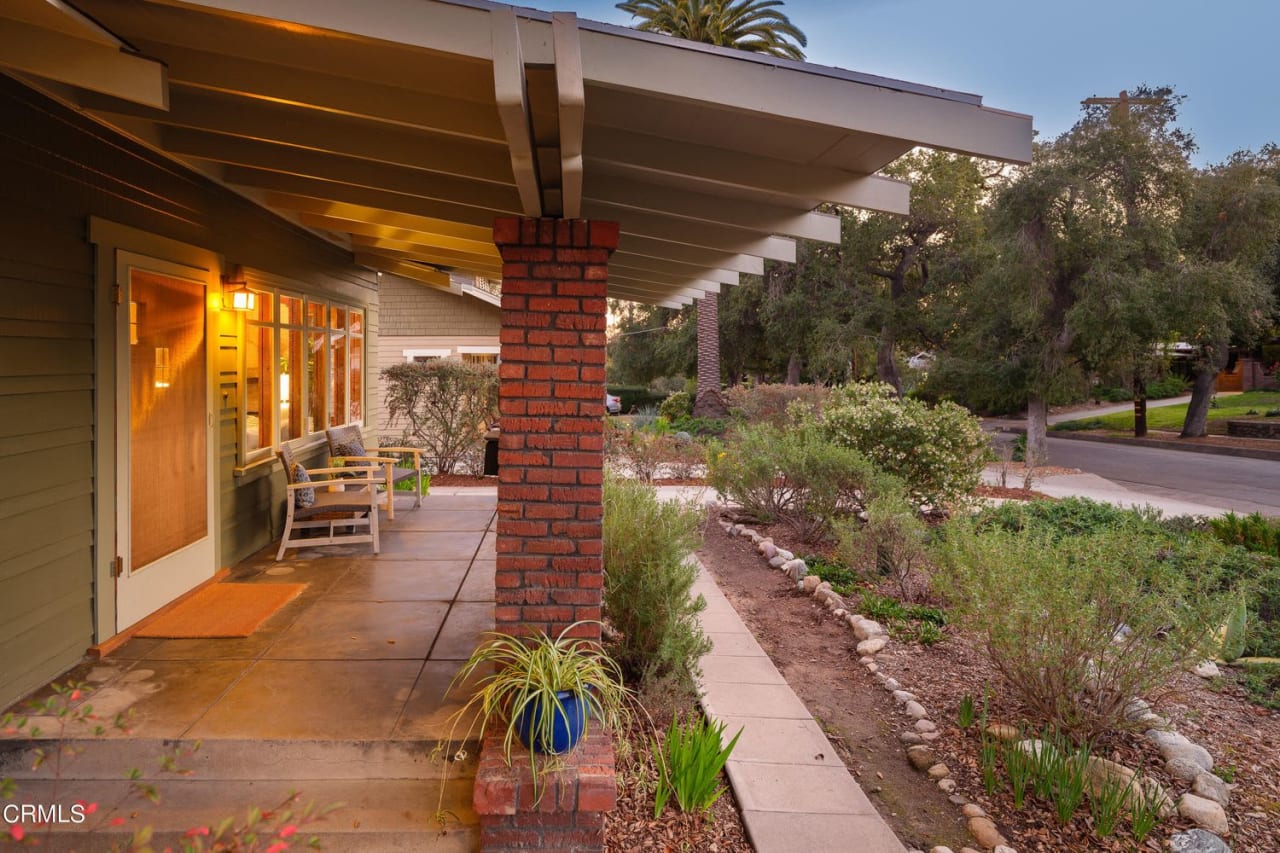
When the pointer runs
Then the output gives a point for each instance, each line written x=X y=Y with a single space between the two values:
x=445 y=406
x=938 y=451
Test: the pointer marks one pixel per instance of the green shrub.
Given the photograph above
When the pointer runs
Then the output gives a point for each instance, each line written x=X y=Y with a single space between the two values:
x=1078 y=426
x=794 y=475
x=937 y=451
x=648 y=583
x=1253 y=532
x=769 y=402
x=689 y=764
x=1112 y=395
x=1167 y=386
x=843 y=579
x=894 y=532
x=700 y=426
x=677 y=406
x=1067 y=517
x=444 y=405
x=1078 y=625
x=636 y=397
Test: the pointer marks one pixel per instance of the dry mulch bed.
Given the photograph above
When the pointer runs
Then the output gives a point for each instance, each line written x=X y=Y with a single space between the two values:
x=631 y=826
x=815 y=654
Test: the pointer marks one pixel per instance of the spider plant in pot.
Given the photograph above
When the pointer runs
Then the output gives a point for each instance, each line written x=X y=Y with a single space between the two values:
x=545 y=691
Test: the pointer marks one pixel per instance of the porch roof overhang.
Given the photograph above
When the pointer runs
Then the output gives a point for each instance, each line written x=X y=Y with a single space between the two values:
x=401 y=128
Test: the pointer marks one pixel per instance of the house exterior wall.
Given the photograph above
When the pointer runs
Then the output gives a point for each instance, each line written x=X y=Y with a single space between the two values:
x=59 y=172
x=417 y=317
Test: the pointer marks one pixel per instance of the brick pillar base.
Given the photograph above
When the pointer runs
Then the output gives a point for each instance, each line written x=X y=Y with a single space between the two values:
x=550 y=474
x=570 y=813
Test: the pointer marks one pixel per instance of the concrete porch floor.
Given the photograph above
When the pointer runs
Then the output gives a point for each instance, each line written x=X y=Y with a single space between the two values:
x=340 y=694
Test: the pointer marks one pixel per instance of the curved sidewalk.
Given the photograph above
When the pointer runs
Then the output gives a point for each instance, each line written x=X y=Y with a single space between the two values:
x=794 y=791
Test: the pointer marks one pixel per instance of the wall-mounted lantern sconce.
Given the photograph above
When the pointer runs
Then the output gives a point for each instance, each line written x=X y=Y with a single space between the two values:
x=236 y=295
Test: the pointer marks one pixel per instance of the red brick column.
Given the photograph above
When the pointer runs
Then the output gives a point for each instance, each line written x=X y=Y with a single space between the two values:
x=550 y=476
x=551 y=451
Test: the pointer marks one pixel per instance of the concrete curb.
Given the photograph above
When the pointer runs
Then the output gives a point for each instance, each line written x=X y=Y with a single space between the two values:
x=1161 y=444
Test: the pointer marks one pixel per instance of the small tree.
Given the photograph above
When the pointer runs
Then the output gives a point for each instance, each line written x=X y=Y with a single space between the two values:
x=444 y=405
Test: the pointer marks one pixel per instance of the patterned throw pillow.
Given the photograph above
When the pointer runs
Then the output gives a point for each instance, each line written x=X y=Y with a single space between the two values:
x=302 y=498
x=349 y=448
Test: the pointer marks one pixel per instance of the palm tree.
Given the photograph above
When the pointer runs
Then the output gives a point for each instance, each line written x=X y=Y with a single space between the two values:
x=752 y=25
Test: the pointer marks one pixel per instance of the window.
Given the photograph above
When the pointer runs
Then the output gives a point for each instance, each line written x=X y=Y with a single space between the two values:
x=303 y=370
x=421 y=355
x=479 y=355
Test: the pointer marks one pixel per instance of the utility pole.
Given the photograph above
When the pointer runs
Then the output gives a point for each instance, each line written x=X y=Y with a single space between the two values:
x=1119 y=117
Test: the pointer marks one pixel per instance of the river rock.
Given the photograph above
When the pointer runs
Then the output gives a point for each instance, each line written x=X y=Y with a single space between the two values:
x=902 y=697
x=1003 y=731
x=910 y=738
x=1206 y=669
x=926 y=726
x=939 y=771
x=940 y=849
x=973 y=810
x=796 y=569
x=1135 y=709
x=1197 y=841
x=1205 y=813
x=767 y=549
x=1174 y=746
x=810 y=583
x=776 y=561
x=866 y=629
x=985 y=833
x=1099 y=770
x=892 y=684
x=1183 y=769
x=921 y=757
x=1212 y=788
x=947 y=786
x=872 y=646
x=785 y=554
x=915 y=710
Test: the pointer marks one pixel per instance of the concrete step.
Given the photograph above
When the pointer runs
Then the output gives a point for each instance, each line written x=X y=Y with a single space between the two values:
x=388 y=793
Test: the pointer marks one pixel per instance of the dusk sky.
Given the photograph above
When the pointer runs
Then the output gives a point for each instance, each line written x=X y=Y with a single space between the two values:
x=1043 y=56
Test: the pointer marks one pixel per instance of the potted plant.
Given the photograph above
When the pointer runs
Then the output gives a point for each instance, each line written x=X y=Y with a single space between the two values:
x=546 y=691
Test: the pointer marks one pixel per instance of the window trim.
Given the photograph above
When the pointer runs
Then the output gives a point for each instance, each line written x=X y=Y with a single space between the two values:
x=411 y=355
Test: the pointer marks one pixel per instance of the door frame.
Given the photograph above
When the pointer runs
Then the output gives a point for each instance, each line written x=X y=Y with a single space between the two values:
x=120 y=247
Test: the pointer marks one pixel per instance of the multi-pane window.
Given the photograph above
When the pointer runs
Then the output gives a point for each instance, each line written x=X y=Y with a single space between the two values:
x=304 y=363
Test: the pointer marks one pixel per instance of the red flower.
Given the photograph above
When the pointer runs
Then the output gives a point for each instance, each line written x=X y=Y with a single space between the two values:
x=16 y=831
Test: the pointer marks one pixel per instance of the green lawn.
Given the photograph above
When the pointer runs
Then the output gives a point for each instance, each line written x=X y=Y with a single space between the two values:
x=1171 y=417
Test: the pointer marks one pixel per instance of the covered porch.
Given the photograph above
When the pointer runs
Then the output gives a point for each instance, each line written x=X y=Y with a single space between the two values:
x=339 y=695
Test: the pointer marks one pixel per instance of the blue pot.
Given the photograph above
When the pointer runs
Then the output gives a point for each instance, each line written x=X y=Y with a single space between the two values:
x=566 y=729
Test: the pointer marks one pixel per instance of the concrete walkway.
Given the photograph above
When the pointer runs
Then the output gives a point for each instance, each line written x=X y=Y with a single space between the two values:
x=794 y=791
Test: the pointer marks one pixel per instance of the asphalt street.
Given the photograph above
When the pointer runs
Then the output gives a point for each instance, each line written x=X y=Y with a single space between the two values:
x=1228 y=482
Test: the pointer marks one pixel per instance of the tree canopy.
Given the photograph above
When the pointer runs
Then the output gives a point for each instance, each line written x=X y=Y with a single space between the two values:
x=754 y=25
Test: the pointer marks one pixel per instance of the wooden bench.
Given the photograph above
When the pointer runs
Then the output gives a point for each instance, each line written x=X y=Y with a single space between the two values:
x=346 y=446
x=345 y=504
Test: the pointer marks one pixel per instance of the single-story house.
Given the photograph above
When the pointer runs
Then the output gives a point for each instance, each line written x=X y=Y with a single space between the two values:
x=163 y=160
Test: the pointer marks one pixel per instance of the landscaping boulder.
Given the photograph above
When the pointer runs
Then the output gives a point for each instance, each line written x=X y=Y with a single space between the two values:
x=872 y=646
x=810 y=583
x=915 y=710
x=921 y=757
x=1197 y=841
x=985 y=833
x=866 y=629
x=1212 y=788
x=1205 y=813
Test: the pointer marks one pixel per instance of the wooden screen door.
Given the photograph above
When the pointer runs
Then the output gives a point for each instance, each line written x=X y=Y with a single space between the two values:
x=164 y=464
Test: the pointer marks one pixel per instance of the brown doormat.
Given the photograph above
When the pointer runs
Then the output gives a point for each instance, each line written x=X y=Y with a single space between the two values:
x=222 y=610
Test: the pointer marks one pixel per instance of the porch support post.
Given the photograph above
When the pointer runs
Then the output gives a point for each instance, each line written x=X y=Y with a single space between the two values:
x=550 y=474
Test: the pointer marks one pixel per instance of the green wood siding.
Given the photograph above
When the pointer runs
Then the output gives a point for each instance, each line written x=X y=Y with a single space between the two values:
x=58 y=169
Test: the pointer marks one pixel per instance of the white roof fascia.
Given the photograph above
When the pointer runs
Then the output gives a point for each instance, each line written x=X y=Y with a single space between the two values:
x=513 y=108
x=571 y=96
x=774 y=89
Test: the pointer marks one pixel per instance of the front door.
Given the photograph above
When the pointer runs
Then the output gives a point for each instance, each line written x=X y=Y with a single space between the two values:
x=164 y=521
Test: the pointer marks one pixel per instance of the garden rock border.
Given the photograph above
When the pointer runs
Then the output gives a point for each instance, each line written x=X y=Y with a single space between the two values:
x=1186 y=761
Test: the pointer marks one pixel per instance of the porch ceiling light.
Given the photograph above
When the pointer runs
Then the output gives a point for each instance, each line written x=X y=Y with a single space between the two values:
x=236 y=295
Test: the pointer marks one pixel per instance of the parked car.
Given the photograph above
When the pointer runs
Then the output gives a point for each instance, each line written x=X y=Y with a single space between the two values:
x=612 y=404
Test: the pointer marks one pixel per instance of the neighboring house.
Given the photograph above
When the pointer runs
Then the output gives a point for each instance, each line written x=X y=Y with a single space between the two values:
x=421 y=323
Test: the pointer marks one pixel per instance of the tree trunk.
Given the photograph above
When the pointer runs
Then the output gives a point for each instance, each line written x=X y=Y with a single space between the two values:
x=708 y=403
x=1204 y=383
x=1037 y=431
x=793 y=368
x=886 y=367
x=1139 y=407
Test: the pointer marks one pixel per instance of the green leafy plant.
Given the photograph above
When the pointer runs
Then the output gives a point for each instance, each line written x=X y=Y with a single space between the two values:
x=965 y=716
x=527 y=674
x=648 y=597
x=689 y=763
x=989 y=753
x=1049 y=612
x=796 y=475
x=1106 y=801
x=893 y=531
x=678 y=405
x=1020 y=767
x=407 y=485
x=1144 y=811
x=1067 y=785
x=843 y=580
